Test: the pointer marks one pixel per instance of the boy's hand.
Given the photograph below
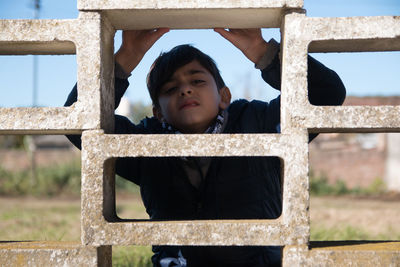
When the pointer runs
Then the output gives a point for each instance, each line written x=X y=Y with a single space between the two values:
x=135 y=43
x=249 y=41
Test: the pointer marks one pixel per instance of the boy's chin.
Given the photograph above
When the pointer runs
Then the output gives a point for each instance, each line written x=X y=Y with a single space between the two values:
x=194 y=125
x=193 y=129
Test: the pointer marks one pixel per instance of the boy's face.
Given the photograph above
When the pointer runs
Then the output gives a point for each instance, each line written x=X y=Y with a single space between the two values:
x=190 y=100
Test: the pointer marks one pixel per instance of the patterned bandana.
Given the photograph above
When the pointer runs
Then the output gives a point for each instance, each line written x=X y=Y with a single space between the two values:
x=213 y=129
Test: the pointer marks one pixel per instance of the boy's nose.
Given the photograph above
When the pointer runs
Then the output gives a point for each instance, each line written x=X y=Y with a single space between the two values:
x=186 y=90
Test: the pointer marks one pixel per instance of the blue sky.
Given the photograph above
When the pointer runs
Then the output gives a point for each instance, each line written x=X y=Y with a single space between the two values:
x=375 y=73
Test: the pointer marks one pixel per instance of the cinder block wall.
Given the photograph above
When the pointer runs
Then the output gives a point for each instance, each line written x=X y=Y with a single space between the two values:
x=91 y=37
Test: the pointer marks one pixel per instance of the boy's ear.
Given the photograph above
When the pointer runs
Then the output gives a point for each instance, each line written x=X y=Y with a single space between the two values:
x=157 y=113
x=225 y=94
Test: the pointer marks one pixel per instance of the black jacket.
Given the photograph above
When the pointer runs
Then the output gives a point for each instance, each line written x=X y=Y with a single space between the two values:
x=234 y=187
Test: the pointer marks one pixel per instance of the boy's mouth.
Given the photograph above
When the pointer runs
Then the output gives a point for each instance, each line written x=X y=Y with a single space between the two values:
x=188 y=104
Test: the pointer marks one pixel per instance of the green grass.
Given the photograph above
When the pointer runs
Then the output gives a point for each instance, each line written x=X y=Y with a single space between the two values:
x=319 y=186
x=132 y=256
x=348 y=232
x=338 y=233
x=44 y=220
x=48 y=181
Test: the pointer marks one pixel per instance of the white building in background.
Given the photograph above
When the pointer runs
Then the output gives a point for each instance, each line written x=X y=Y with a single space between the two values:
x=124 y=108
x=392 y=168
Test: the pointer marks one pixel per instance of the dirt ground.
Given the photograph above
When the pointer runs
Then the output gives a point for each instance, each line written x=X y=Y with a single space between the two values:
x=378 y=217
x=58 y=219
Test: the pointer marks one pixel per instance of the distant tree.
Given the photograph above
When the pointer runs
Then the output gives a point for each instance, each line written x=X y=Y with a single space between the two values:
x=12 y=141
x=140 y=111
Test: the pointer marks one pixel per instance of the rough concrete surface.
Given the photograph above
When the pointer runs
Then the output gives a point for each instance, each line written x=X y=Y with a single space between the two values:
x=184 y=4
x=345 y=253
x=21 y=254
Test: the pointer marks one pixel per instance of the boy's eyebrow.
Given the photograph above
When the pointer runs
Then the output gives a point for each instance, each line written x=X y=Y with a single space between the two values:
x=189 y=72
x=195 y=71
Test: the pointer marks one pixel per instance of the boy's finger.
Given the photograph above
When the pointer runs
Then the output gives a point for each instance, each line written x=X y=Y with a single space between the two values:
x=157 y=33
x=224 y=33
x=152 y=36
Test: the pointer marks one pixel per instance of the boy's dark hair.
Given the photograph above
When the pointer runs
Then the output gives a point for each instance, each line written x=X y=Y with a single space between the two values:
x=167 y=63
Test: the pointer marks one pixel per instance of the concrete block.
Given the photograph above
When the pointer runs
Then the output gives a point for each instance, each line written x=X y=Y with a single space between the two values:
x=343 y=253
x=21 y=254
x=91 y=37
x=186 y=14
x=303 y=35
x=101 y=227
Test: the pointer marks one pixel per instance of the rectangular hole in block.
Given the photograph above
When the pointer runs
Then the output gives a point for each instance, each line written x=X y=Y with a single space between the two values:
x=39 y=188
x=128 y=200
x=39 y=81
x=370 y=78
x=238 y=72
x=141 y=255
x=235 y=188
x=355 y=186
x=210 y=14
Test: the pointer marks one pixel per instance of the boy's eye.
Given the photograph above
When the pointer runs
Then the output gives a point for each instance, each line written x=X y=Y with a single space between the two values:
x=198 y=81
x=169 y=90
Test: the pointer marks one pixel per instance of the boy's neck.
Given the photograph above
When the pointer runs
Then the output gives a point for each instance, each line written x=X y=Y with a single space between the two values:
x=216 y=126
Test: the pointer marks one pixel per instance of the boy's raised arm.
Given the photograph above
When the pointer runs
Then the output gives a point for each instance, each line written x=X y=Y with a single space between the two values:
x=135 y=44
x=249 y=41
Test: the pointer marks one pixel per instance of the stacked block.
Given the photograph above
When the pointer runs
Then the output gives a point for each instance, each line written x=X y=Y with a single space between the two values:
x=53 y=254
x=100 y=226
x=91 y=35
x=192 y=14
x=339 y=253
x=354 y=34
x=91 y=38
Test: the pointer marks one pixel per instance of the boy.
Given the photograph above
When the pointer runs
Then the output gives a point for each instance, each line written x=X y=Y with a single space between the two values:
x=190 y=96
